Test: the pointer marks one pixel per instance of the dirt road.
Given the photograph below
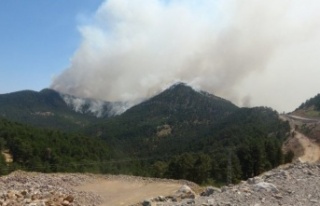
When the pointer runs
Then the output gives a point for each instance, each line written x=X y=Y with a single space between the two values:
x=311 y=150
x=304 y=148
x=117 y=192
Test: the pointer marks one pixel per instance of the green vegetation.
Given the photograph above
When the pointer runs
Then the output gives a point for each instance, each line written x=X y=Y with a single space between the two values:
x=180 y=133
x=201 y=131
x=49 y=150
x=44 y=109
x=312 y=102
x=189 y=115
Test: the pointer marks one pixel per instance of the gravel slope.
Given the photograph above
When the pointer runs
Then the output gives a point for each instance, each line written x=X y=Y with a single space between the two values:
x=294 y=184
x=38 y=189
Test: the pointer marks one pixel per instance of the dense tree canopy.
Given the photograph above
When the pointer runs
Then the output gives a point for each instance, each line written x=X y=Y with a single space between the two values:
x=50 y=150
x=243 y=143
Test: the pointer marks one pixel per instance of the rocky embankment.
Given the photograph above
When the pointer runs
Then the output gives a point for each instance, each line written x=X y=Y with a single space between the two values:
x=37 y=189
x=293 y=184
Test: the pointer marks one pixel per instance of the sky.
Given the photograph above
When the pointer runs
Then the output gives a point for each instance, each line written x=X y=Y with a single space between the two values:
x=38 y=39
x=252 y=52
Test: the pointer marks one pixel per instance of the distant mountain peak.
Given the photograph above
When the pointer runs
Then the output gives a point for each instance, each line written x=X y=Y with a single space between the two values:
x=180 y=102
x=179 y=84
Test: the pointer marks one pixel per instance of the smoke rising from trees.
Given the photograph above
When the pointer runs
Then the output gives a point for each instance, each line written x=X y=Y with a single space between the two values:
x=250 y=52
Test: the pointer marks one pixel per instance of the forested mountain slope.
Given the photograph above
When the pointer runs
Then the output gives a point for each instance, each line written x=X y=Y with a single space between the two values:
x=179 y=113
x=188 y=134
x=43 y=109
x=180 y=133
x=50 y=150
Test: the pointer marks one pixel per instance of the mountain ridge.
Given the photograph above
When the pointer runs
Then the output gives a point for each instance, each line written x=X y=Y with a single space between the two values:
x=45 y=109
x=181 y=133
x=52 y=109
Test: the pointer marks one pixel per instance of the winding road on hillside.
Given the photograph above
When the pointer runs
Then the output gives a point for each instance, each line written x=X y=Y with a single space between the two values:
x=304 y=148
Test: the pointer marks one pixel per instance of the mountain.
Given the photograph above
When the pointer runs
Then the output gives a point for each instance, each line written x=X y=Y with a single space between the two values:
x=177 y=112
x=186 y=134
x=47 y=108
x=181 y=103
x=181 y=133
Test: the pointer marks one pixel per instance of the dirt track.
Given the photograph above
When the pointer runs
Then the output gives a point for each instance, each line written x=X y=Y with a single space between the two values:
x=118 y=192
x=304 y=148
x=311 y=150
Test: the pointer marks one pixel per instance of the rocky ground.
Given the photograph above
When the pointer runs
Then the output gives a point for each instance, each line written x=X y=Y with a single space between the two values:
x=37 y=189
x=293 y=184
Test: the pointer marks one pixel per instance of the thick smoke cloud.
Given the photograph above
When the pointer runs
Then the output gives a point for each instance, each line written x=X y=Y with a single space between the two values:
x=251 y=52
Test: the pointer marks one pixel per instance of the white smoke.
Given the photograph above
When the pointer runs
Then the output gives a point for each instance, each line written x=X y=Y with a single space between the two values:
x=239 y=49
x=96 y=107
x=82 y=105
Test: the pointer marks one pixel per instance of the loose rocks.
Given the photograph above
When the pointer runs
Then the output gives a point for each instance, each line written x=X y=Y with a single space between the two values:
x=37 y=189
x=293 y=184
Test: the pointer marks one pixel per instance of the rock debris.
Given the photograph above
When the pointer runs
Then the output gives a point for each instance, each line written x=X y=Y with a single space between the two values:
x=37 y=189
x=292 y=184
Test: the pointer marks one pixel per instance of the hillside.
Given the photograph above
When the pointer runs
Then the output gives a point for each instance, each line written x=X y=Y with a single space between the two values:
x=43 y=109
x=292 y=184
x=180 y=133
x=307 y=118
x=179 y=113
x=186 y=134
x=46 y=150
x=310 y=108
x=181 y=103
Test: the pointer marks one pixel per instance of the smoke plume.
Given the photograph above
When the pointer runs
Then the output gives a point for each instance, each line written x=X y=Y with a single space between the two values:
x=247 y=51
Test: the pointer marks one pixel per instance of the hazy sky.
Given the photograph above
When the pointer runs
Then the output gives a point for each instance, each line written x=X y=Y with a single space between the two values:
x=251 y=52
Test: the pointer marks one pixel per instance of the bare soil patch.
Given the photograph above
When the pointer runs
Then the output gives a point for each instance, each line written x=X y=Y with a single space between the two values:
x=120 y=192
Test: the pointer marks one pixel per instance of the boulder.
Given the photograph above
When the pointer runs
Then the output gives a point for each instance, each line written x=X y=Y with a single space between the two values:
x=265 y=186
x=254 y=180
x=147 y=203
x=185 y=192
x=210 y=190
x=69 y=198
